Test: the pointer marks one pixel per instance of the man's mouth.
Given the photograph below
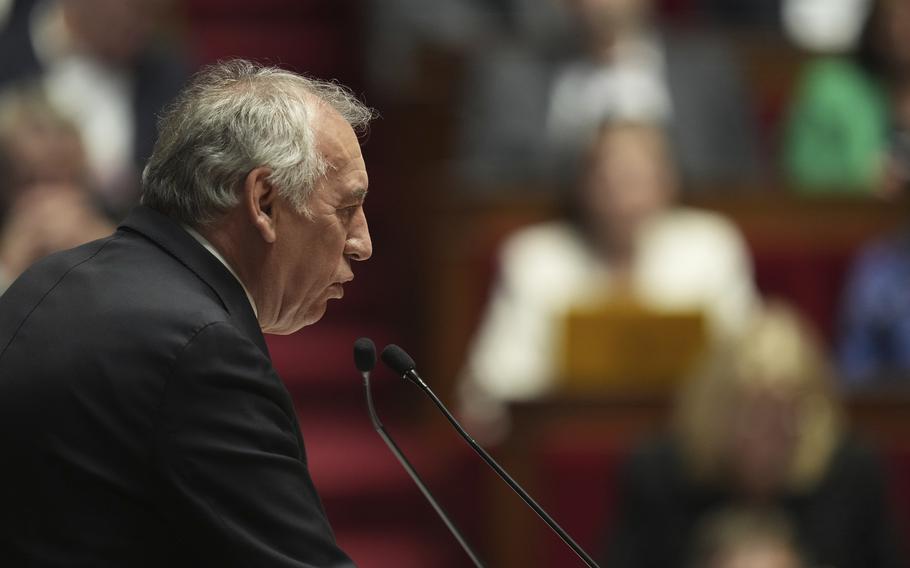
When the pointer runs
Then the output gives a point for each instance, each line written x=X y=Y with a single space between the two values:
x=336 y=290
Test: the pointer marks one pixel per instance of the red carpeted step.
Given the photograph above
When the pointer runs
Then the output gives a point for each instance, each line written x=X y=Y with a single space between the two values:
x=391 y=549
x=362 y=483
x=347 y=456
x=321 y=357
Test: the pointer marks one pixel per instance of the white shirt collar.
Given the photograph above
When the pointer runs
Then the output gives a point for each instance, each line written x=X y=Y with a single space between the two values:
x=211 y=248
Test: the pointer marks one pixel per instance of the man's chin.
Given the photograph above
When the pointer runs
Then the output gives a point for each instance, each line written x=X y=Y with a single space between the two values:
x=313 y=315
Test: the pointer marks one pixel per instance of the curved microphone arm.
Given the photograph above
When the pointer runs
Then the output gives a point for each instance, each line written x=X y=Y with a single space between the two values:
x=413 y=377
x=380 y=429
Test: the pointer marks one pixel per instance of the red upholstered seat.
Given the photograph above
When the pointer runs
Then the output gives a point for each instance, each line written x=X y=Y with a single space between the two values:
x=810 y=279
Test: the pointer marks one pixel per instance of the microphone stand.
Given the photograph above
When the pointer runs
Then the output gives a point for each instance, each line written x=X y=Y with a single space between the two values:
x=380 y=429
x=417 y=380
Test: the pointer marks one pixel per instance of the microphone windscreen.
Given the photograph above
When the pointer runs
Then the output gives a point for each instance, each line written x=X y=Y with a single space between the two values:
x=397 y=359
x=364 y=354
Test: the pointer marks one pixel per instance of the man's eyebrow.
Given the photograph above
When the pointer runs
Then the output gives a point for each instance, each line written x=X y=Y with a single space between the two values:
x=359 y=194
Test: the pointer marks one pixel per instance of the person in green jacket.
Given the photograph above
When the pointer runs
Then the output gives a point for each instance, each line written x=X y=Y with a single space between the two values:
x=842 y=122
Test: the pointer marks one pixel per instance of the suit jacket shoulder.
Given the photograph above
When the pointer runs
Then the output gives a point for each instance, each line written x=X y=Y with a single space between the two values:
x=141 y=417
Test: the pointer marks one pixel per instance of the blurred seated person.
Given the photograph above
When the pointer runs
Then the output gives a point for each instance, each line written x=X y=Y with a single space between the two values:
x=626 y=239
x=846 y=123
x=746 y=538
x=529 y=114
x=873 y=347
x=635 y=70
x=44 y=204
x=103 y=64
x=505 y=92
x=760 y=427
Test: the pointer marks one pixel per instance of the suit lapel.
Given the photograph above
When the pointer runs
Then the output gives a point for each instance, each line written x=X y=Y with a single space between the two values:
x=170 y=236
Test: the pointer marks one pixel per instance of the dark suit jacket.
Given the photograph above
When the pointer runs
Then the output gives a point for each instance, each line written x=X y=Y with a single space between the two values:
x=141 y=421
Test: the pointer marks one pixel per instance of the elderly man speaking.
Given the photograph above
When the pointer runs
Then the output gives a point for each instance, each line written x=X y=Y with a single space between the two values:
x=141 y=421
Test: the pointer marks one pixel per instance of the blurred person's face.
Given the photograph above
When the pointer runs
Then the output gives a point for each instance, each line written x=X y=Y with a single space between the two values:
x=824 y=26
x=41 y=154
x=602 y=19
x=114 y=30
x=630 y=181
x=763 y=432
x=759 y=555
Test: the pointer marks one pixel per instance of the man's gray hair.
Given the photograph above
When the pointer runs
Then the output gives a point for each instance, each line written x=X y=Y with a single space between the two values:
x=233 y=117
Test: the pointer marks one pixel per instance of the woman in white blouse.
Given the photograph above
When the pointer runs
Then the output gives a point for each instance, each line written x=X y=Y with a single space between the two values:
x=629 y=240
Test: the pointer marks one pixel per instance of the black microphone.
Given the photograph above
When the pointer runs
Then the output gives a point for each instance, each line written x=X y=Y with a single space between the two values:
x=400 y=362
x=365 y=360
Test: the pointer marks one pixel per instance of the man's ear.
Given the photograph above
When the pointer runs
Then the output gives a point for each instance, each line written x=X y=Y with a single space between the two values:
x=259 y=198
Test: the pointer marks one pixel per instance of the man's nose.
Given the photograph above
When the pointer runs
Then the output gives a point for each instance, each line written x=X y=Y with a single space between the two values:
x=359 y=246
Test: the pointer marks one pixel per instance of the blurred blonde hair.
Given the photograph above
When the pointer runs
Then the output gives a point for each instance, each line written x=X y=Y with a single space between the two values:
x=27 y=114
x=26 y=106
x=779 y=350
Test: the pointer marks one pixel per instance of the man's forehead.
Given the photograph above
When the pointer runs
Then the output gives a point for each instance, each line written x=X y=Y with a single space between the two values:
x=335 y=138
x=340 y=147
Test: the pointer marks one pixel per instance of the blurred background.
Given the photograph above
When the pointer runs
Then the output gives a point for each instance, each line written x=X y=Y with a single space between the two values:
x=656 y=253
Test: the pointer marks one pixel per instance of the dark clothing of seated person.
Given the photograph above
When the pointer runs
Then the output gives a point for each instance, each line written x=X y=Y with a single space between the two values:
x=760 y=427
